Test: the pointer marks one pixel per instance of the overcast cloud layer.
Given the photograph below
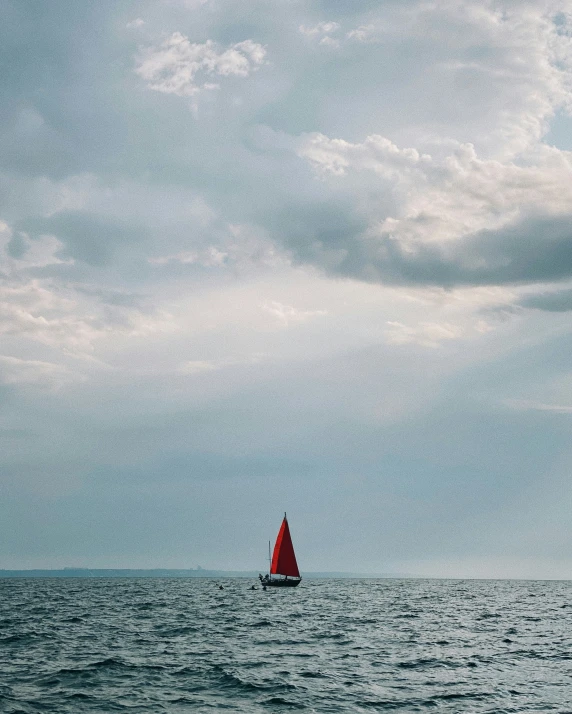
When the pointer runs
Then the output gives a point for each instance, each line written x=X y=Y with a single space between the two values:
x=302 y=256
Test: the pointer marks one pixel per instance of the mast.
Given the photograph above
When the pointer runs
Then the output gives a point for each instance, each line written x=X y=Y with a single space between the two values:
x=285 y=521
x=269 y=559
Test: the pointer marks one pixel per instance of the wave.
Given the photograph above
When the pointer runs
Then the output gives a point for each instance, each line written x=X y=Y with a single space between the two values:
x=168 y=646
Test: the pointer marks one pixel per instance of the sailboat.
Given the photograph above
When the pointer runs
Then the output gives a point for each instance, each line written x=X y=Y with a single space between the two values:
x=283 y=562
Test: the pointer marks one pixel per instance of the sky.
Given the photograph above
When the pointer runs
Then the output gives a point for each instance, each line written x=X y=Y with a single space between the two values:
x=312 y=256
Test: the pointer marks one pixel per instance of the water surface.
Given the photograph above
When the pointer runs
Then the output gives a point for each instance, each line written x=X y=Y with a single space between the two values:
x=183 y=645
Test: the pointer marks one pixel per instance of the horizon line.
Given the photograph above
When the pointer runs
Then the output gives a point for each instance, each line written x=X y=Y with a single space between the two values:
x=206 y=573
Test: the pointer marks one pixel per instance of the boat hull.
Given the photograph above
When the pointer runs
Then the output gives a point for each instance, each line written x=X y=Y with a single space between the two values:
x=281 y=582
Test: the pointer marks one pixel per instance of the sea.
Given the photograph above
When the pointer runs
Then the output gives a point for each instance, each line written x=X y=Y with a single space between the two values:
x=186 y=645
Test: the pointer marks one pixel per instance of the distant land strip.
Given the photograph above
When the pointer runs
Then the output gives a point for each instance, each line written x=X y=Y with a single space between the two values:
x=169 y=573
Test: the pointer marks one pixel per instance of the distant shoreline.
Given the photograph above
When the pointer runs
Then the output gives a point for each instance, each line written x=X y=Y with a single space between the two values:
x=182 y=573
x=167 y=573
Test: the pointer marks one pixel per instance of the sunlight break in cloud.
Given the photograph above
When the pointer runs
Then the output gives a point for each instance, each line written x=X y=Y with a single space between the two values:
x=181 y=67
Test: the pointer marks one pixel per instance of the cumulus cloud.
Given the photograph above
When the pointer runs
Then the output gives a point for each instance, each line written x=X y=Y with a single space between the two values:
x=377 y=153
x=324 y=33
x=459 y=218
x=330 y=34
x=184 y=68
x=322 y=28
x=457 y=193
x=487 y=73
x=516 y=80
x=363 y=33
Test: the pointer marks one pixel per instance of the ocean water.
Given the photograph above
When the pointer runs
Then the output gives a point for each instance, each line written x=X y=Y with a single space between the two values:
x=166 y=645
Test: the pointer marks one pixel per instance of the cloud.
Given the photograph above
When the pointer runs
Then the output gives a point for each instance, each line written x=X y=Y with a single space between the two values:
x=322 y=33
x=553 y=301
x=329 y=33
x=210 y=257
x=434 y=72
x=426 y=334
x=193 y=367
x=377 y=153
x=438 y=198
x=47 y=375
x=85 y=236
x=181 y=67
x=364 y=33
x=322 y=28
x=135 y=24
x=536 y=250
x=286 y=314
x=23 y=253
x=60 y=316
x=239 y=247
x=523 y=404
x=46 y=310
x=515 y=60
x=450 y=220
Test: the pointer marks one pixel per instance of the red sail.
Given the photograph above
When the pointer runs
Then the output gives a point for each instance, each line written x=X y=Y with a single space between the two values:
x=283 y=558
